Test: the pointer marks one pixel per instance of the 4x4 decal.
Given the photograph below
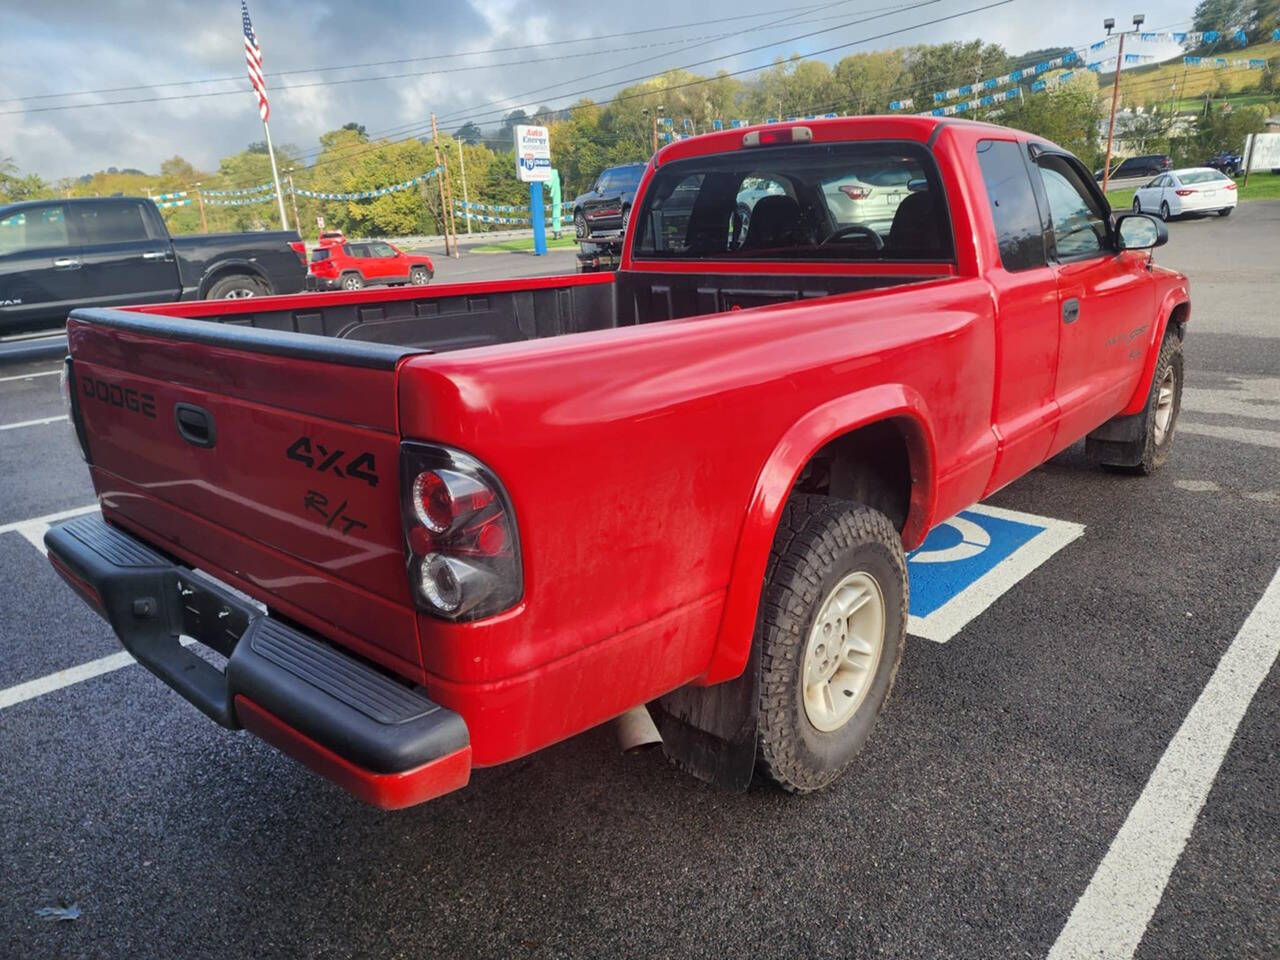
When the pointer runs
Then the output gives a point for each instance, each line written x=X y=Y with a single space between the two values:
x=320 y=458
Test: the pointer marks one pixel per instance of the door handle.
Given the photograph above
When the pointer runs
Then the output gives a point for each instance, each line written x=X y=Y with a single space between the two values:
x=66 y=263
x=1070 y=310
x=156 y=255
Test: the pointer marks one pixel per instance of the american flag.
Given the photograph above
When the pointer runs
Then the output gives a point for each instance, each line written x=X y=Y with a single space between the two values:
x=253 y=56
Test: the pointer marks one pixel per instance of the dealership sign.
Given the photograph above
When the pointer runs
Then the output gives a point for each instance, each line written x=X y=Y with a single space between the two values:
x=533 y=154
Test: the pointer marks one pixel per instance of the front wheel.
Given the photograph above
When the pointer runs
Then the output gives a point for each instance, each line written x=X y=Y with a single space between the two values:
x=831 y=630
x=419 y=276
x=580 y=225
x=1137 y=205
x=1141 y=443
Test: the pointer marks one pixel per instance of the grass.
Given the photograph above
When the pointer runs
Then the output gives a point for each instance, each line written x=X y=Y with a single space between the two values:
x=522 y=245
x=1150 y=84
x=1262 y=186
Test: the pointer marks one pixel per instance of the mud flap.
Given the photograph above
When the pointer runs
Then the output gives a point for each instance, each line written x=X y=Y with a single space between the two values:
x=710 y=732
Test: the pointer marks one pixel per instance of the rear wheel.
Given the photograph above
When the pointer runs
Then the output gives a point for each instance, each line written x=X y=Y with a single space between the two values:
x=1164 y=210
x=580 y=225
x=236 y=286
x=831 y=630
x=352 y=281
x=1225 y=211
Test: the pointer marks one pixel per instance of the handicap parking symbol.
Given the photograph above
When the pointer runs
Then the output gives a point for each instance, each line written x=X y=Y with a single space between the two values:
x=969 y=561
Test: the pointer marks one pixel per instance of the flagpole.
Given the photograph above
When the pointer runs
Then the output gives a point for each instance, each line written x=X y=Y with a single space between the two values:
x=275 y=176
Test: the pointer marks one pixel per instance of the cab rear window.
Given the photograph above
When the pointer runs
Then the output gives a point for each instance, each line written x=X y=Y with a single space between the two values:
x=875 y=200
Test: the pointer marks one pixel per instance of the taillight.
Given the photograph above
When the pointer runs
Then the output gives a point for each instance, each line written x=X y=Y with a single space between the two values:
x=1229 y=186
x=461 y=548
x=300 y=249
x=856 y=193
x=1184 y=192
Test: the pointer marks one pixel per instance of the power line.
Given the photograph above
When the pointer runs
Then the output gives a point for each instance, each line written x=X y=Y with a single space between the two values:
x=396 y=62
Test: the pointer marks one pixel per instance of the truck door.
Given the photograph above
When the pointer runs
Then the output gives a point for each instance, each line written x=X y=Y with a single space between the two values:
x=40 y=275
x=1025 y=288
x=127 y=258
x=1106 y=298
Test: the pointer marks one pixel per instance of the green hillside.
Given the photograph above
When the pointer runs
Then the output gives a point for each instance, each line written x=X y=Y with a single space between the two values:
x=1157 y=82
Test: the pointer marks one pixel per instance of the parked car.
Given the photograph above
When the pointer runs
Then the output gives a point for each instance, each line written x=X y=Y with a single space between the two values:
x=1228 y=163
x=351 y=266
x=603 y=211
x=1144 y=166
x=1191 y=190
x=56 y=255
x=451 y=527
x=329 y=238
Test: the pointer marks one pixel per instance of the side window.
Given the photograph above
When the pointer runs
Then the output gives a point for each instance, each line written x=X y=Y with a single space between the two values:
x=36 y=228
x=606 y=182
x=382 y=250
x=1079 y=225
x=104 y=223
x=1013 y=204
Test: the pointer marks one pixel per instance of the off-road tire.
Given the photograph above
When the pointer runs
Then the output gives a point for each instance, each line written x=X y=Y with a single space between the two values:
x=236 y=285
x=1142 y=453
x=820 y=540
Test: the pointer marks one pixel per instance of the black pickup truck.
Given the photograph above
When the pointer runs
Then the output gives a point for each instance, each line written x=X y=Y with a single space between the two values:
x=56 y=255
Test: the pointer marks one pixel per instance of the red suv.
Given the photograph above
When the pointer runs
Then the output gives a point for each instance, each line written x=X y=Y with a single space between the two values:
x=350 y=266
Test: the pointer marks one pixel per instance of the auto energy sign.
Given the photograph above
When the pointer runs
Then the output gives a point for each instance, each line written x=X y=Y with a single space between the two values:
x=533 y=154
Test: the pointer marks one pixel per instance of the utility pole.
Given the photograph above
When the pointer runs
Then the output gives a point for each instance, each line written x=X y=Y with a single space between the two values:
x=293 y=198
x=204 y=223
x=444 y=219
x=446 y=196
x=1109 y=23
x=466 y=200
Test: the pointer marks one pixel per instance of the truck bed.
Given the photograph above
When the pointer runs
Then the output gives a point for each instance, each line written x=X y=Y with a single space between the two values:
x=451 y=317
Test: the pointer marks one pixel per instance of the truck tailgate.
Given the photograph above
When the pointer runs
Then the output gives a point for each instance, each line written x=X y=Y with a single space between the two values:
x=268 y=459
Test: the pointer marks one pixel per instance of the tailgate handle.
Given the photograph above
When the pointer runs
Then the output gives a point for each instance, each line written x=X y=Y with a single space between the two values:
x=195 y=424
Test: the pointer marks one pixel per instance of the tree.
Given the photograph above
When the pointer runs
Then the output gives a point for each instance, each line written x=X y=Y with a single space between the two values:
x=941 y=66
x=469 y=133
x=1224 y=16
x=357 y=128
x=1069 y=115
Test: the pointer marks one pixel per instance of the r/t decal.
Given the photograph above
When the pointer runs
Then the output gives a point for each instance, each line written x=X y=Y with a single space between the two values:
x=336 y=518
x=320 y=458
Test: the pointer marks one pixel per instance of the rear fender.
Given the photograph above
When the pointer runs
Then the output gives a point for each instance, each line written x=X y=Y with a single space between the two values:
x=1175 y=297
x=778 y=478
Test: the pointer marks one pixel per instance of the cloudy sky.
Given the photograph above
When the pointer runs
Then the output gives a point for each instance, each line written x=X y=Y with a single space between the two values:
x=142 y=49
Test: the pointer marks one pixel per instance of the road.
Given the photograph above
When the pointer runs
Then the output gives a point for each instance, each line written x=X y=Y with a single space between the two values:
x=1028 y=789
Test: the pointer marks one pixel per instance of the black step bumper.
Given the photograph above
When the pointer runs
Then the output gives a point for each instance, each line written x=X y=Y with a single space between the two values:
x=384 y=741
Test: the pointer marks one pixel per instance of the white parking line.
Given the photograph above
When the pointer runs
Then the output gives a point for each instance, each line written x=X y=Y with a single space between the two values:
x=31 y=423
x=28 y=376
x=48 y=518
x=1110 y=918
x=64 y=678
x=1259 y=438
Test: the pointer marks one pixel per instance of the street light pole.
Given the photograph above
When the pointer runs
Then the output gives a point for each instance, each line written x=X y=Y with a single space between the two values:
x=1109 y=24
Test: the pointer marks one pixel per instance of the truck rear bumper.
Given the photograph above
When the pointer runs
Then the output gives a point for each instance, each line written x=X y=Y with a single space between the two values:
x=382 y=740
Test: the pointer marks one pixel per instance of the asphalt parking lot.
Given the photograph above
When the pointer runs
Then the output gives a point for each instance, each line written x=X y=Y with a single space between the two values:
x=1030 y=783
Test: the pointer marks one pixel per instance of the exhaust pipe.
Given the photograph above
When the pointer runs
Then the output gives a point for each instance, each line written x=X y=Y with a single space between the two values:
x=636 y=731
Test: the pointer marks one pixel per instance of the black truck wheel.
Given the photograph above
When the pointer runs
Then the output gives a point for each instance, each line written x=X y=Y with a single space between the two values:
x=1141 y=443
x=831 y=629
x=236 y=286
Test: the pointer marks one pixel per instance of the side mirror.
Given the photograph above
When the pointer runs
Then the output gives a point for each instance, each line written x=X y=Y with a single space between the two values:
x=915 y=186
x=1140 y=231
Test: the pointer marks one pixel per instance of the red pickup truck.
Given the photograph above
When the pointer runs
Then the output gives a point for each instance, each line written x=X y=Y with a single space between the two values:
x=426 y=530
